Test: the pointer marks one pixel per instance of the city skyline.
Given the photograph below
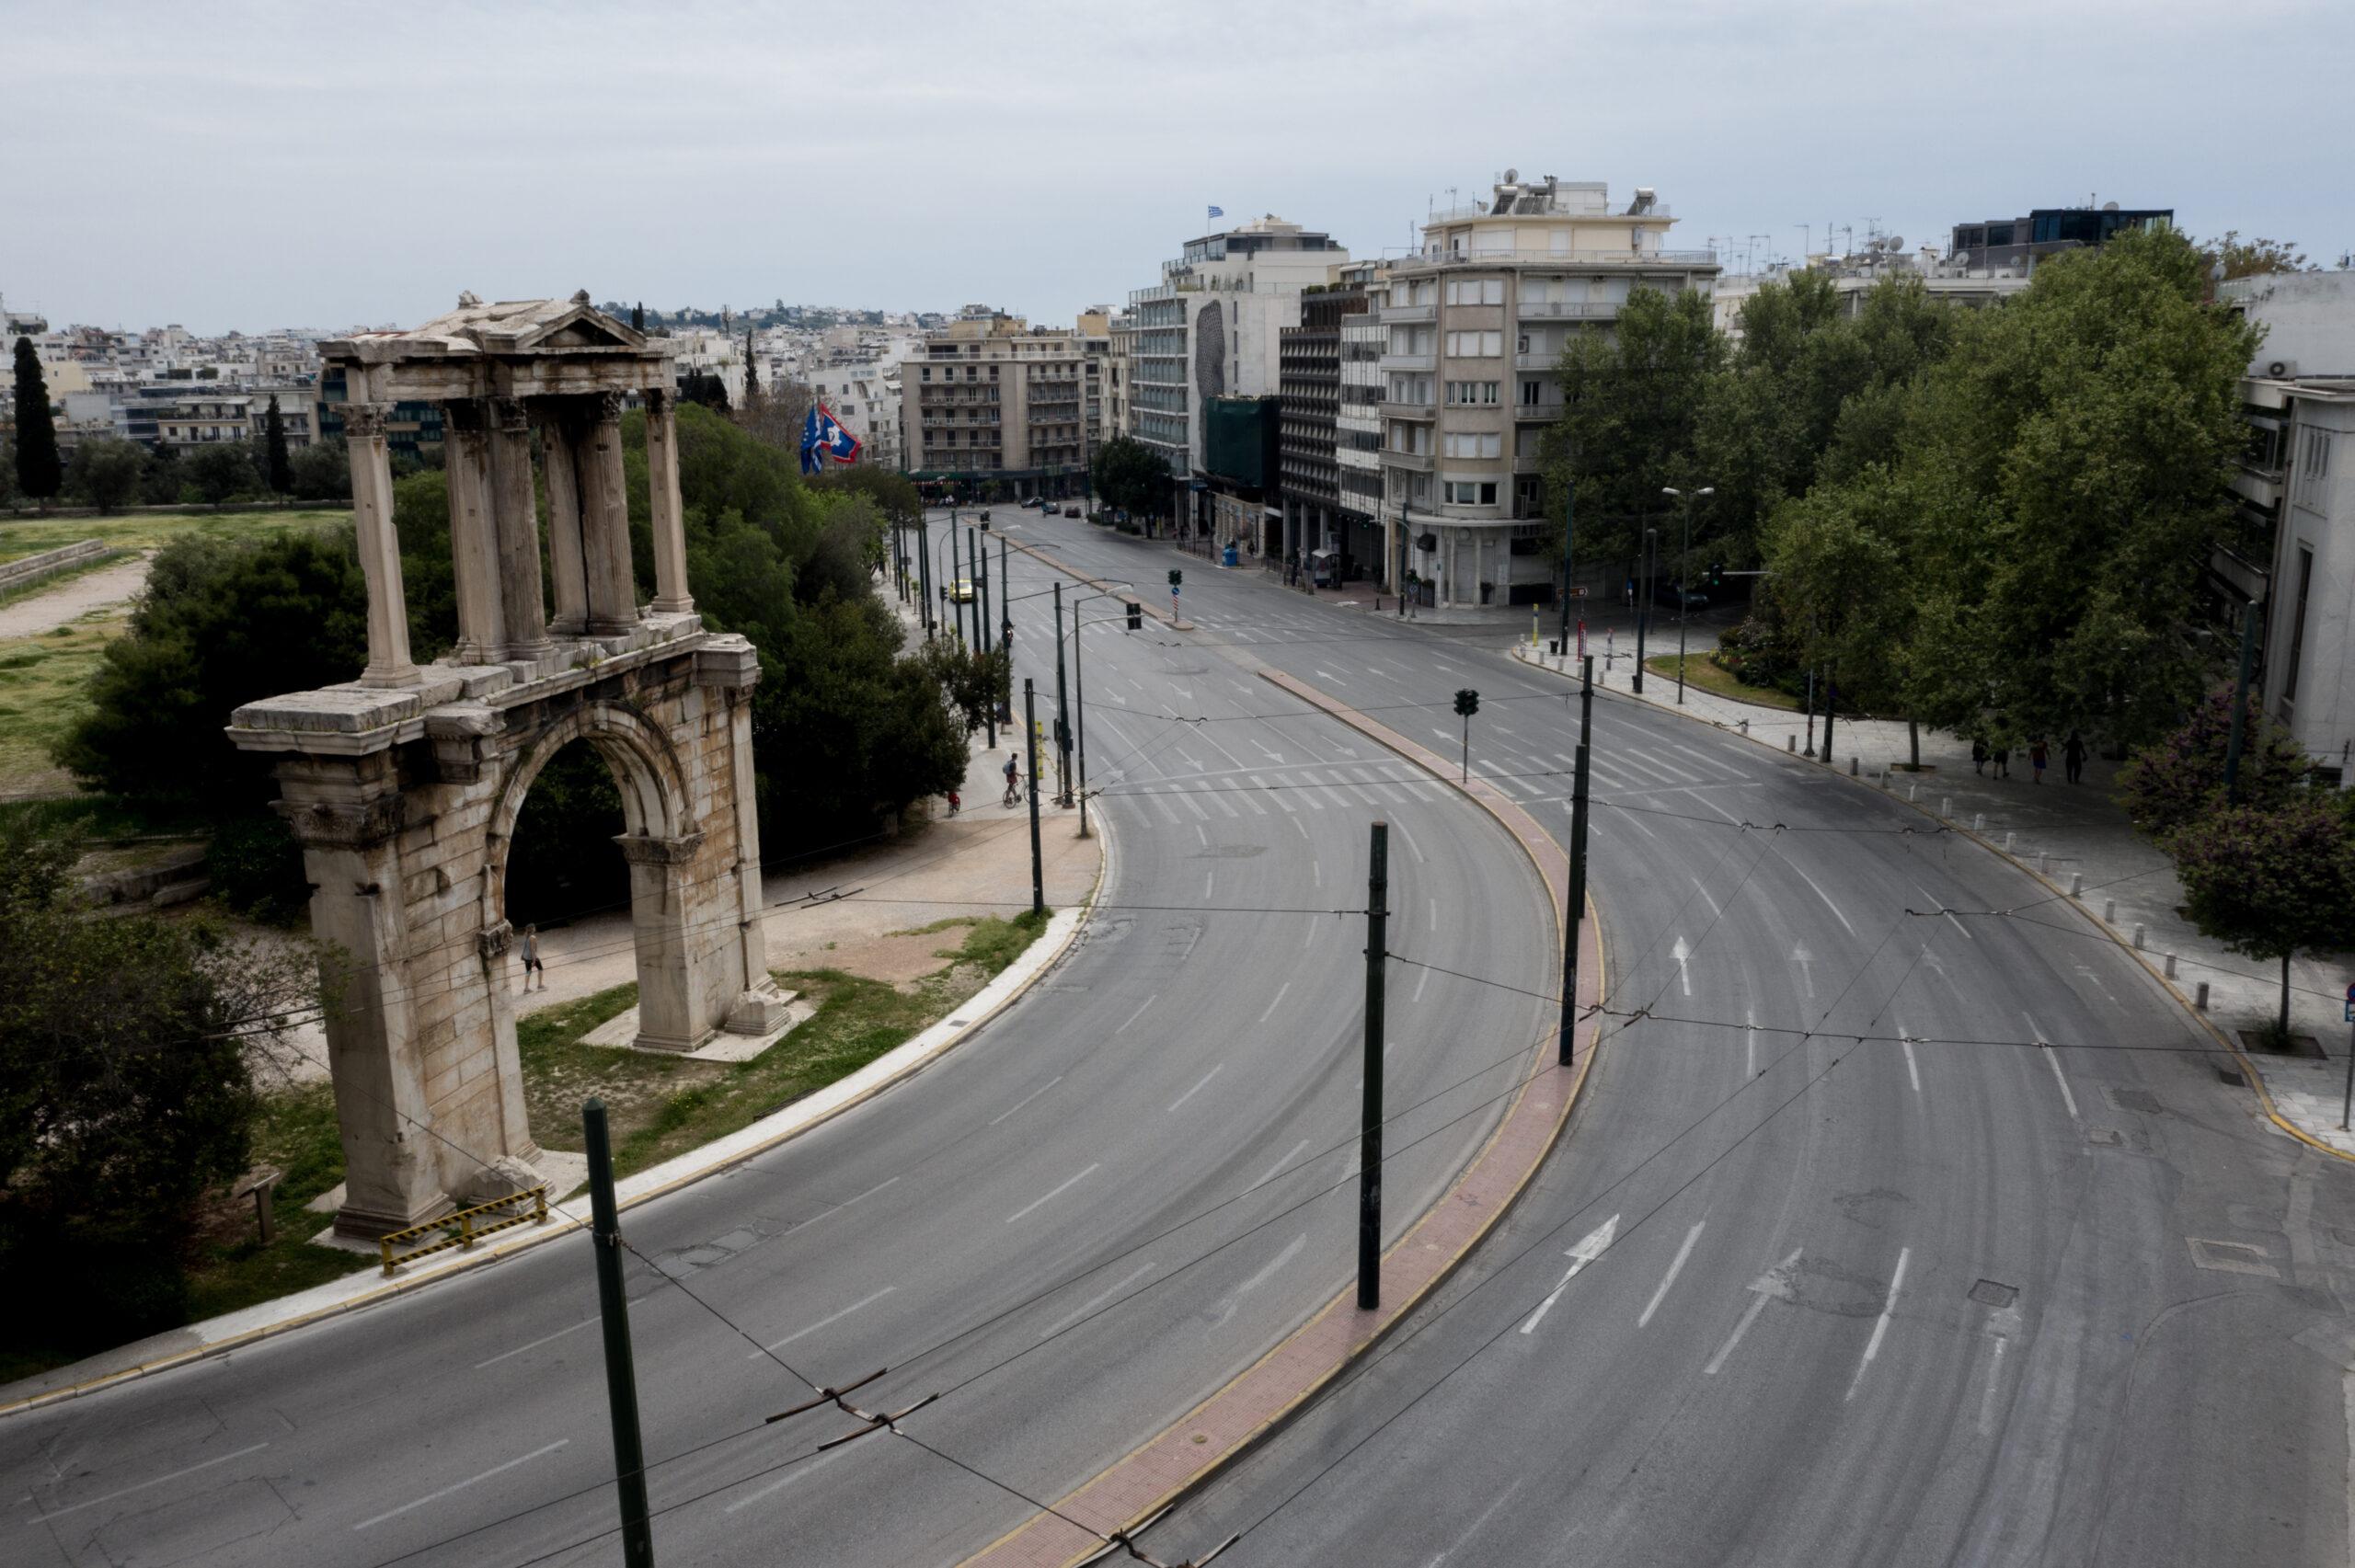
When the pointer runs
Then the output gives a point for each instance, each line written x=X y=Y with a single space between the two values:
x=714 y=163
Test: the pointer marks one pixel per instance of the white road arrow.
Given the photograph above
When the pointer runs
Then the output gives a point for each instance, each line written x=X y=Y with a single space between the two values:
x=1802 y=958
x=1683 y=954
x=1586 y=1252
x=1775 y=1285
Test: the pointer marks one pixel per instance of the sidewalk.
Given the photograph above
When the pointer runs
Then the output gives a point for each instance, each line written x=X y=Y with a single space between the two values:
x=2075 y=836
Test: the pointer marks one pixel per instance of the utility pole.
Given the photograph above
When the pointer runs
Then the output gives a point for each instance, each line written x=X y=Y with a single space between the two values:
x=1570 y=507
x=621 y=1375
x=1644 y=611
x=1038 y=866
x=979 y=551
x=1574 y=910
x=957 y=606
x=1831 y=704
x=2240 y=705
x=1062 y=708
x=924 y=572
x=1005 y=630
x=1377 y=921
x=1810 y=713
x=1684 y=575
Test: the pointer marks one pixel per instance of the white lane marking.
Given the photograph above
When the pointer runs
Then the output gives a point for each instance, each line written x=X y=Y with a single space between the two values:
x=2053 y=1060
x=1683 y=956
x=534 y=1344
x=1095 y=1301
x=1187 y=800
x=1431 y=915
x=1298 y=823
x=1822 y=895
x=1941 y=905
x=1409 y=839
x=1163 y=806
x=1049 y=1084
x=1065 y=1187
x=1767 y=1286
x=1316 y=872
x=1308 y=936
x=1277 y=1168
x=1872 y=1346
x=143 y=1485
x=871 y=1191
x=1715 y=908
x=1234 y=1300
x=1674 y=1269
x=1210 y=881
x=780 y=1484
x=1278 y=1002
x=1148 y=1001
x=1995 y=1381
x=462 y=1485
x=822 y=1323
x=1422 y=980
x=1749 y=1041
x=1589 y=1247
x=1203 y=834
x=1806 y=961
x=1181 y=1099
x=1905 y=1039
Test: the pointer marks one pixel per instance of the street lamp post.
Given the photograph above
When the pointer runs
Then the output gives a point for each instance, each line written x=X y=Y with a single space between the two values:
x=1079 y=684
x=1683 y=574
x=1644 y=610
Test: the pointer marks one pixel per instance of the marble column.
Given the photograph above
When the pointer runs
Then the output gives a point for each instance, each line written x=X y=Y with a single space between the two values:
x=604 y=519
x=380 y=548
x=671 y=596
x=516 y=522
x=474 y=538
x=658 y=874
x=561 y=444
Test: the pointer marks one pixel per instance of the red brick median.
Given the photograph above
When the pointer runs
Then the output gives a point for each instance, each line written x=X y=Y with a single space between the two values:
x=1226 y=1425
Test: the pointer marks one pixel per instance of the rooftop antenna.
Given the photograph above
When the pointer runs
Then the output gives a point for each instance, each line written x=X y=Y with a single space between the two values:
x=1807 y=242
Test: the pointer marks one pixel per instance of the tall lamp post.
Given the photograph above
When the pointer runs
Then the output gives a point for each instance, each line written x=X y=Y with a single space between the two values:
x=1079 y=681
x=1644 y=611
x=1683 y=574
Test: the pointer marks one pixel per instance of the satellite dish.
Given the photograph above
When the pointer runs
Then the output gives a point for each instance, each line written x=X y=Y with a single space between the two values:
x=1512 y=176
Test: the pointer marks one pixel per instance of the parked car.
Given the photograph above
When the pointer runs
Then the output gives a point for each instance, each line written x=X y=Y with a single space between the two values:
x=1676 y=594
x=1034 y=500
x=1071 y=511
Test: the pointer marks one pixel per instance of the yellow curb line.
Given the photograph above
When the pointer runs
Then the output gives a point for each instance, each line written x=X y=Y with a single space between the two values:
x=556 y=1228
x=2249 y=1071
x=1218 y=1464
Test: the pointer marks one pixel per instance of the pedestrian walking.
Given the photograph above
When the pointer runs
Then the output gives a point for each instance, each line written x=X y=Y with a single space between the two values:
x=1979 y=755
x=2036 y=756
x=532 y=965
x=1012 y=779
x=1631 y=594
x=955 y=803
x=2073 y=757
x=2002 y=758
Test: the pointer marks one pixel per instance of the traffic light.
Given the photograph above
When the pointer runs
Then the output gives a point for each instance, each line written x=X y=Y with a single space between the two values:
x=1176 y=576
x=1467 y=702
x=1136 y=616
x=1716 y=574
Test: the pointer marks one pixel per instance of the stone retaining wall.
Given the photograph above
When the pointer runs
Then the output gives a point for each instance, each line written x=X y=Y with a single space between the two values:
x=32 y=568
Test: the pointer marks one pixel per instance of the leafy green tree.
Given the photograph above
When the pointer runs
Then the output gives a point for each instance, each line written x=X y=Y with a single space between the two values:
x=1130 y=475
x=751 y=376
x=40 y=473
x=125 y=1096
x=1836 y=564
x=893 y=495
x=2247 y=257
x=9 y=474
x=2270 y=882
x=1631 y=411
x=105 y=472
x=220 y=471
x=160 y=478
x=278 y=473
x=320 y=471
x=2176 y=781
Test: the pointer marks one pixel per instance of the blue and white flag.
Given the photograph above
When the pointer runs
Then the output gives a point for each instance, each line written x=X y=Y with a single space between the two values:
x=1217 y=211
x=822 y=437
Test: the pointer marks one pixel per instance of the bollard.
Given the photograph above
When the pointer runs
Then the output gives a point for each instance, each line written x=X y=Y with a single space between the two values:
x=1912 y=791
x=1979 y=821
x=1790 y=743
x=1744 y=727
x=2007 y=842
x=2076 y=884
x=1851 y=767
x=2138 y=935
x=2170 y=966
x=2200 y=997
x=2109 y=911
x=2044 y=862
x=1946 y=807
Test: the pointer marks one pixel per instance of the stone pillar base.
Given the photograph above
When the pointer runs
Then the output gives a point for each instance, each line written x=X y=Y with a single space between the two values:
x=369 y=1225
x=677 y=1045
x=758 y=1011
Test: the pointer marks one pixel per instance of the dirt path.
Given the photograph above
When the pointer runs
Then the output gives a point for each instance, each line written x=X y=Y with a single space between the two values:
x=39 y=612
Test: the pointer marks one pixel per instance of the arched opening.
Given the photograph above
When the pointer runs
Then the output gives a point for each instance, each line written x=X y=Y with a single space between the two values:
x=562 y=862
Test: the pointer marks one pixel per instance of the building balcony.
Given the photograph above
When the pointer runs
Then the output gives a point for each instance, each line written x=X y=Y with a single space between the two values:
x=1537 y=361
x=1536 y=413
x=1566 y=309
x=1410 y=313
x=1407 y=362
x=1530 y=463
x=1408 y=411
x=1415 y=462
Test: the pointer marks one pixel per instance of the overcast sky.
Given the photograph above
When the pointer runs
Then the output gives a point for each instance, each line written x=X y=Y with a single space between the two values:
x=231 y=165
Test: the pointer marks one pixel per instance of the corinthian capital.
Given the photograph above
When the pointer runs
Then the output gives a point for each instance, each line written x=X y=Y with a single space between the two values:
x=363 y=422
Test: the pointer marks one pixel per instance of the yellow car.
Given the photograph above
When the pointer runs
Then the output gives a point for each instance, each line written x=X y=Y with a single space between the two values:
x=962 y=591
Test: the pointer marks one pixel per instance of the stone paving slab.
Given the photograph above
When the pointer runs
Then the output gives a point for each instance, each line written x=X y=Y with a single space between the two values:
x=1255 y=1405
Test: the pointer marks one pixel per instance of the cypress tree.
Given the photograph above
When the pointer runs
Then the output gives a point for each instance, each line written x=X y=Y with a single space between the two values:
x=277 y=470
x=637 y=316
x=752 y=374
x=40 y=473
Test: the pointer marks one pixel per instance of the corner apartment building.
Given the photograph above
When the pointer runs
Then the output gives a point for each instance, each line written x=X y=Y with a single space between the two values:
x=1315 y=360
x=990 y=399
x=1476 y=323
x=2297 y=482
x=1208 y=330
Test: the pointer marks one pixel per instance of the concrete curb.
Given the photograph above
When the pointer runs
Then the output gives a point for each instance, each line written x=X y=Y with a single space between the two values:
x=354 y=1292
x=1182 y=1457
x=2250 y=1073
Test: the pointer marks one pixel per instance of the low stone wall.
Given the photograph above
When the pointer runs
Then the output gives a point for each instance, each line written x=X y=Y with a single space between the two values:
x=32 y=568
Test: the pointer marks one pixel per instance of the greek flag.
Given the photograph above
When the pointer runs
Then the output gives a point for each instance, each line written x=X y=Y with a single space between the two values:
x=1217 y=211
x=822 y=437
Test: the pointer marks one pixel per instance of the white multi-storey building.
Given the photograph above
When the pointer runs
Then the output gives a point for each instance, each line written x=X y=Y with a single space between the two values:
x=1476 y=325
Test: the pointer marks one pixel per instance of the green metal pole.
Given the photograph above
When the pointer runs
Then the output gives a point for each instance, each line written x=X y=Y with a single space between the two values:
x=1574 y=910
x=621 y=1375
x=923 y=571
x=1038 y=865
x=1062 y=707
x=980 y=554
x=1377 y=919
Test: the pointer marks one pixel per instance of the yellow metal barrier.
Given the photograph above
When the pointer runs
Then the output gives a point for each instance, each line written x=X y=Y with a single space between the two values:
x=463 y=1229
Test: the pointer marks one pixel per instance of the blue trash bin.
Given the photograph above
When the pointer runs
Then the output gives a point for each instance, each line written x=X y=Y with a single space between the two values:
x=1231 y=557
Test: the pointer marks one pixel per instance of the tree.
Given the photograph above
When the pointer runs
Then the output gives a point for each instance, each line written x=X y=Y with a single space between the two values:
x=219 y=471
x=320 y=471
x=2248 y=257
x=105 y=472
x=277 y=472
x=40 y=473
x=1631 y=409
x=751 y=376
x=160 y=478
x=2174 y=782
x=699 y=386
x=1130 y=475
x=9 y=474
x=637 y=316
x=125 y=1096
x=2270 y=882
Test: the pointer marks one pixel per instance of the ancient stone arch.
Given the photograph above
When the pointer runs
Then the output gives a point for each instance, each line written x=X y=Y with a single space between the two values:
x=404 y=786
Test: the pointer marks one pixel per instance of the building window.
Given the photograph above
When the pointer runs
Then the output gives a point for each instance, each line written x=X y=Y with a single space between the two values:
x=1471 y=492
x=1475 y=444
x=2297 y=627
x=2313 y=467
x=1476 y=345
x=1529 y=496
x=1480 y=392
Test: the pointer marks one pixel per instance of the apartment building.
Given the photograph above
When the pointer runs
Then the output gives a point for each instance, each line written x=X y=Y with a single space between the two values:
x=864 y=394
x=1475 y=324
x=1210 y=329
x=1119 y=366
x=1955 y=280
x=990 y=400
x=1357 y=432
x=1318 y=523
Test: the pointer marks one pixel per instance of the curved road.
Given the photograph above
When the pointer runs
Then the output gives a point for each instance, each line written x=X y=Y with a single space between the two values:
x=1039 y=1225
x=1952 y=1299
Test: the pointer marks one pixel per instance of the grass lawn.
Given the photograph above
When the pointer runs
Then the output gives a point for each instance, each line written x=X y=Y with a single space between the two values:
x=43 y=685
x=660 y=1106
x=29 y=536
x=1701 y=670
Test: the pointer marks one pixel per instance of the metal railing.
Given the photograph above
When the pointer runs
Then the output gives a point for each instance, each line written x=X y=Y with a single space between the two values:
x=463 y=1229
x=1590 y=310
